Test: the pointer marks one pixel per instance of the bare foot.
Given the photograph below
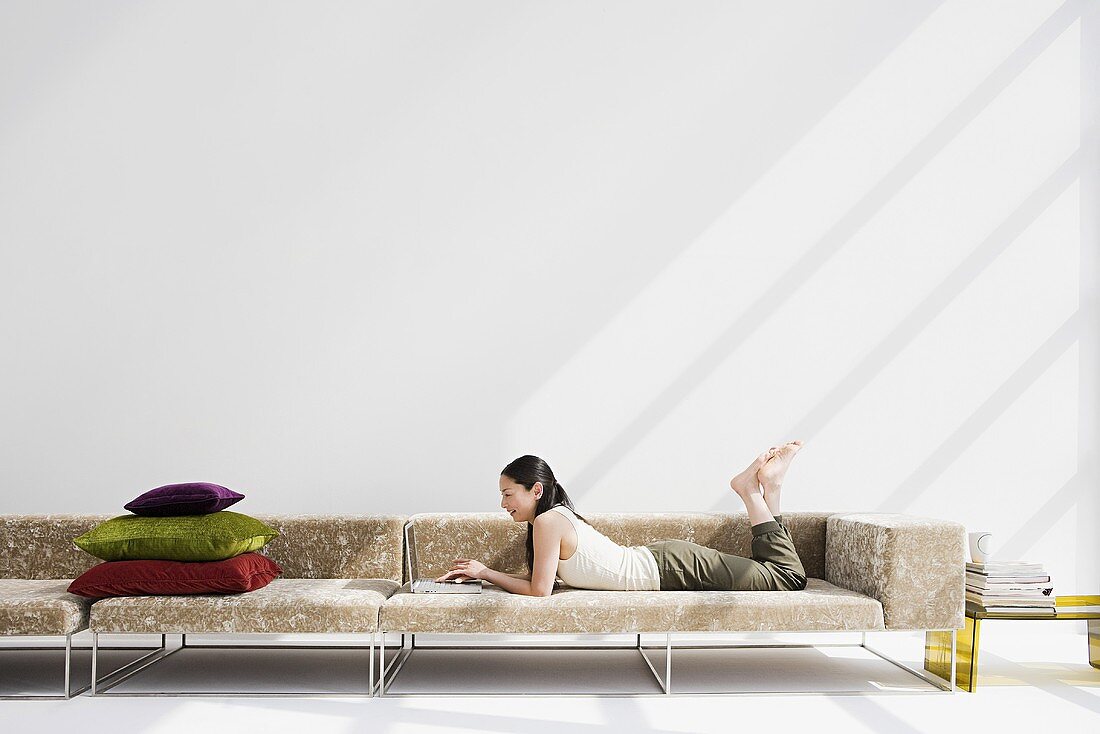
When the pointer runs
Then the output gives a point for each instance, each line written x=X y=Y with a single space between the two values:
x=746 y=483
x=777 y=461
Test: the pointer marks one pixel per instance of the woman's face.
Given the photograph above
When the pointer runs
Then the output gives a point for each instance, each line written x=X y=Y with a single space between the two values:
x=517 y=500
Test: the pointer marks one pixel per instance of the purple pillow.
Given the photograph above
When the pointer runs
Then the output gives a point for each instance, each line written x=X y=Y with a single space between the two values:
x=189 y=498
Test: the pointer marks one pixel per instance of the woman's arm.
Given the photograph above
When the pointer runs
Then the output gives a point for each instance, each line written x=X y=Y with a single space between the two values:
x=546 y=538
x=509 y=583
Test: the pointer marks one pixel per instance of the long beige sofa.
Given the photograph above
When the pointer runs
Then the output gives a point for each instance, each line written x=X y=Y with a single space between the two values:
x=866 y=573
x=337 y=572
x=352 y=574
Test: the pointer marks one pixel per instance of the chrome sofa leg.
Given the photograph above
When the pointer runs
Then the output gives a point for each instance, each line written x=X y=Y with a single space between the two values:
x=387 y=674
x=668 y=663
x=951 y=661
x=382 y=667
x=148 y=659
x=95 y=656
x=645 y=659
x=68 y=664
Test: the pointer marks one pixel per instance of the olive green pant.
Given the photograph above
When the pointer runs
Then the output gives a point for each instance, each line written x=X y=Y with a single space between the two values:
x=774 y=566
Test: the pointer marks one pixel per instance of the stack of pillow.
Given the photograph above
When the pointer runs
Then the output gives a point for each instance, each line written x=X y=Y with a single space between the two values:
x=180 y=539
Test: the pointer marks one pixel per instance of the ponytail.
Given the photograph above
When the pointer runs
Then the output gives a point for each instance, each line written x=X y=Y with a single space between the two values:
x=526 y=471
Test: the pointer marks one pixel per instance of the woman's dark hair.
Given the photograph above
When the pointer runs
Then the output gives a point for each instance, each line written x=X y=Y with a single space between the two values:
x=527 y=470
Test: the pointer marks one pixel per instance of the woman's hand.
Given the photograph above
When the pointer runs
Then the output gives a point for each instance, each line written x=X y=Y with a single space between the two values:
x=464 y=567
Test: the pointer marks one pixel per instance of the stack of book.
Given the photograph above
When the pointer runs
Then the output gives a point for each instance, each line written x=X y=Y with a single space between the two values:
x=1014 y=587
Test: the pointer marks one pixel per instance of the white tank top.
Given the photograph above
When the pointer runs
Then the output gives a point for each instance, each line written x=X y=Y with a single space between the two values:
x=601 y=563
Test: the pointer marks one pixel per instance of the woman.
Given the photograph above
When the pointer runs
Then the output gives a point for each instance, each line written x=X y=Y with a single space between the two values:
x=560 y=543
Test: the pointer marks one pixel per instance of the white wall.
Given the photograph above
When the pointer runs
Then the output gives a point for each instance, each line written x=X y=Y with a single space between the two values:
x=355 y=257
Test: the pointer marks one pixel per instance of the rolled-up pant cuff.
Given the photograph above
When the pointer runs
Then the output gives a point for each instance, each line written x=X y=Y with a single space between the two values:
x=765 y=527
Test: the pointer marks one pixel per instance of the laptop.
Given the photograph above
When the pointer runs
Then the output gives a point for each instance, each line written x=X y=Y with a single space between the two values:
x=453 y=586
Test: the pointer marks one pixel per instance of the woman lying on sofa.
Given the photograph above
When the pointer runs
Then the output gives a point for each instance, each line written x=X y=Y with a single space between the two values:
x=562 y=544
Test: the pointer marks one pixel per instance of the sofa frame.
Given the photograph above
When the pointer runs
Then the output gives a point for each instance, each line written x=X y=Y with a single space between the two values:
x=940 y=643
x=939 y=652
x=101 y=686
x=68 y=664
x=936 y=658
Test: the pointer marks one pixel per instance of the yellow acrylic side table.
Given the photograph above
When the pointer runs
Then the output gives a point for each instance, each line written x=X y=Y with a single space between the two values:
x=937 y=645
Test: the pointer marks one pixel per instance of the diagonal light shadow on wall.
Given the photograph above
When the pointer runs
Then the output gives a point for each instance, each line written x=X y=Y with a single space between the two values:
x=789 y=145
x=934 y=304
x=979 y=421
x=829 y=244
x=1088 y=364
x=1044 y=518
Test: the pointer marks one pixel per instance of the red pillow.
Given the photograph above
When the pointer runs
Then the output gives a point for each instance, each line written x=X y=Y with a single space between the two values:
x=245 y=572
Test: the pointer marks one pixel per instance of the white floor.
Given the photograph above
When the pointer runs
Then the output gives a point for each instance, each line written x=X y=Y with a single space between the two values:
x=1032 y=674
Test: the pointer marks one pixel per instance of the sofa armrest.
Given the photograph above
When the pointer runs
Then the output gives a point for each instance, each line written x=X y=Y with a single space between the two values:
x=914 y=566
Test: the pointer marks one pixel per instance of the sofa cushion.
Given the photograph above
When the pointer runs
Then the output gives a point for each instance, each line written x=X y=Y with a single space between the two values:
x=211 y=537
x=41 y=607
x=820 y=606
x=189 y=498
x=285 y=606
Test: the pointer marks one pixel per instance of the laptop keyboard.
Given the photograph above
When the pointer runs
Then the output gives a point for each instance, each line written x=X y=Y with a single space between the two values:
x=430 y=586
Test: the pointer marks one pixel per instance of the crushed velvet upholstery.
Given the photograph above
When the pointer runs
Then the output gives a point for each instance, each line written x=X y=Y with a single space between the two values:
x=41 y=607
x=337 y=546
x=37 y=562
x=820 y=606
x=41 y=546
x=337 y=570
x=496 y=540
x=285 y=606
x=309 y=546
x=915 y=566
x=910 y=568
x=865 y=571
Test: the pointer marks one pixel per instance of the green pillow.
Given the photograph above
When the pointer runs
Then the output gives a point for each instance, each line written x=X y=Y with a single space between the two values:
x=212 y=537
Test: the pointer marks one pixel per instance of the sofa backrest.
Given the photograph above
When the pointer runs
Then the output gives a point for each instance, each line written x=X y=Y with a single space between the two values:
x=309 y=546
x=41 y=546
x=337 y=546
x=434 y=539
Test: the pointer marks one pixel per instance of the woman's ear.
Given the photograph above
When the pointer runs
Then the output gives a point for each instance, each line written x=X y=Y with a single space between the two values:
x=537 y=490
